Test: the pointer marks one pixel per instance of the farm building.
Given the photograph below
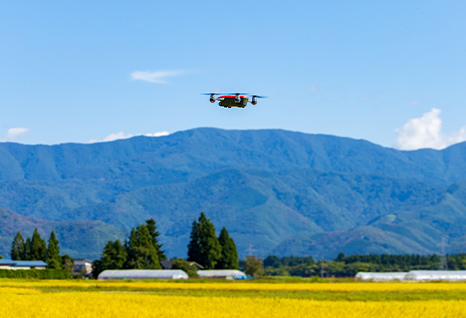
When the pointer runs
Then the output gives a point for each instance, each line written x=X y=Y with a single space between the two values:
x=222 y=273
x=436 y=275
x=143 y=274
x=12 y=264
x=380 y=276
x=82 y=266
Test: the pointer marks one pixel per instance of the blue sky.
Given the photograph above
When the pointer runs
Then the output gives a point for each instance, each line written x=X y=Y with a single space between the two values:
x=390 y=72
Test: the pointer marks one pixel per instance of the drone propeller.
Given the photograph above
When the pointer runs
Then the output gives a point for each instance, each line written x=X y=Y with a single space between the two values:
x=258 y=96
x=225 y=94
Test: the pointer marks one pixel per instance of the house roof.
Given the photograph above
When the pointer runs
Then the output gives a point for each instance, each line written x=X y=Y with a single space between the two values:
x=82 y=261
x=7 y=262
x=22 y=263
x=143 y=274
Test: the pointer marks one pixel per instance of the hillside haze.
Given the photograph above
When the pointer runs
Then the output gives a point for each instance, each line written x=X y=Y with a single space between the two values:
x=284 y=192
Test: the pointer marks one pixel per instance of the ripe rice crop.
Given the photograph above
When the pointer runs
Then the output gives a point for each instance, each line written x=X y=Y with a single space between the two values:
x=14 y=290
x=21 y=298
x=241 y=286
x=92 y=304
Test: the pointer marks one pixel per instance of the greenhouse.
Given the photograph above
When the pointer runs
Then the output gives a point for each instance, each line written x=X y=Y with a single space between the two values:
x=222 y=273
x=380 y=276
x=436 y=275
x=143 y=274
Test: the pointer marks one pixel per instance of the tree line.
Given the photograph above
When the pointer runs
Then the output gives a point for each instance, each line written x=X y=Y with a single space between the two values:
x=36 y=249
x=142 y=250
x=348 y=266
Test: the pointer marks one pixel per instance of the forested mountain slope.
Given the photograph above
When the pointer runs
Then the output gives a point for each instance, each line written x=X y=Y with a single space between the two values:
x=284 y=192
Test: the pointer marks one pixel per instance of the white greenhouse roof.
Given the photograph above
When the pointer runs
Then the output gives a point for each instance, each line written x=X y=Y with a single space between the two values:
x=380 y=276
x=436 y=275
x=143 y=274
x=222 y=273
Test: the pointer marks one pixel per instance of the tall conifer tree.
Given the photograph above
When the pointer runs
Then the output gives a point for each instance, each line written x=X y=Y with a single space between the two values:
x=18 y=248
x=229 y=255
x=27 y=249
x=204 y=247
x=38 y=247
x=141 y=251
x=53 y=253
x=152 y=227
x=194 y=249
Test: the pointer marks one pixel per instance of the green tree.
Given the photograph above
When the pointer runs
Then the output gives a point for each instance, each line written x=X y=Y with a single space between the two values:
x=152 y=227
x=204 y=247
x=191 y=270
x=27 y=249
x=18 y=247
x=113 y=257
x=194 y=248
x=141 y=250
x=53 y=253
x=229 y=255
x=253 y=266
x=67 y=263
x=38 y=247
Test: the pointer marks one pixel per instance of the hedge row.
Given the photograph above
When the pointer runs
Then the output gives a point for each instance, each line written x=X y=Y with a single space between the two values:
x=35 y=273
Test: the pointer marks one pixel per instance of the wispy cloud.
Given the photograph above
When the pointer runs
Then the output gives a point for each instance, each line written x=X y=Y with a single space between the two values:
x=13 y=134
x=157 y=77
x=122 y=135
x=158 y=134
x=426 y=132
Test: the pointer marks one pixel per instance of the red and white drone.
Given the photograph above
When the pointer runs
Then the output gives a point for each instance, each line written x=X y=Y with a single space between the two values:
x=240 y=100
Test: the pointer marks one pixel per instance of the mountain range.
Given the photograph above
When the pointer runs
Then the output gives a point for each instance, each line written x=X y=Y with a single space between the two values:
x=277 y=192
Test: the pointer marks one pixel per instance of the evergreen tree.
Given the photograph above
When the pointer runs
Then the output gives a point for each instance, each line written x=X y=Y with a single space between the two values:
x=152 y=227
x=18 y=248
x=27 y=249
x=194 y=249
x=113 y=257
x=204 y=247
x=229 y=255
x=141 y=250
x=38 y=247
x=53 y=258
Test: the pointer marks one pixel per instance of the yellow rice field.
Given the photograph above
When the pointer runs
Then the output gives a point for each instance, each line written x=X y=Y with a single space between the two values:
x=241 y=285
x=137 y=299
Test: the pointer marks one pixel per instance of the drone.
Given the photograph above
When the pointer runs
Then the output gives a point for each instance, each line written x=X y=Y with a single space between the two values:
x=239 y=100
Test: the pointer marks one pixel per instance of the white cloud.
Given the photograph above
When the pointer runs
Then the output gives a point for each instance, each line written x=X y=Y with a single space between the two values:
x=157 y=77
x=426 y=132
x=158 y=134
x=122 y=135
x=14 y=134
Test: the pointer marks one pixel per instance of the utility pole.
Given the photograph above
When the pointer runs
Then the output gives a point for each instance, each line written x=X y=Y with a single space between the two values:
x=443 y=259
x=322 y=272
x=250 y=250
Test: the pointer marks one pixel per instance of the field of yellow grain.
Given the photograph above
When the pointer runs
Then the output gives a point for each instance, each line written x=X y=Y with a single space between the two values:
x=141 y=299
x=241 y=286
x=90 y=304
